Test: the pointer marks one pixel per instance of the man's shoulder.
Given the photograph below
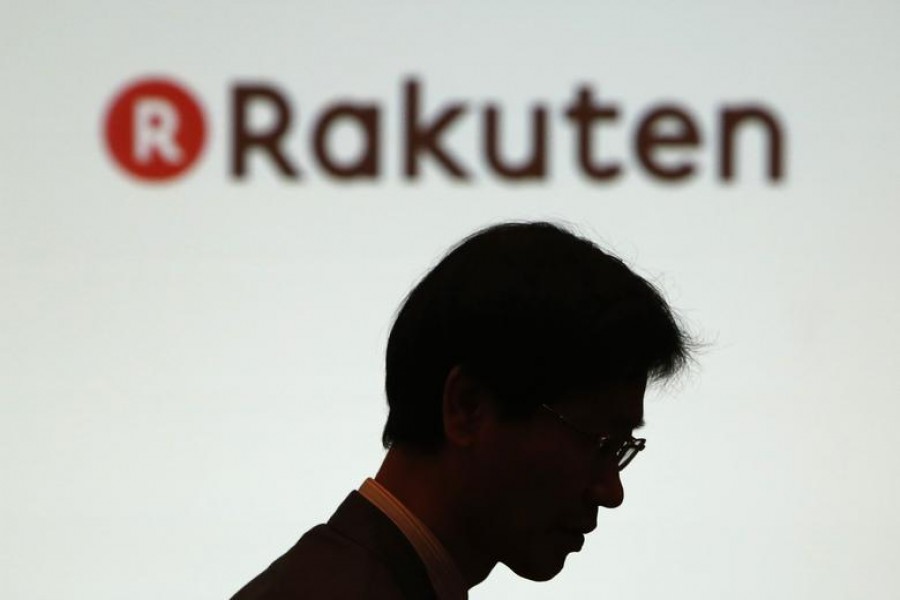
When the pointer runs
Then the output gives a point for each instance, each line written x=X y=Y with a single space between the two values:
x=323 y=564
x=358 y=554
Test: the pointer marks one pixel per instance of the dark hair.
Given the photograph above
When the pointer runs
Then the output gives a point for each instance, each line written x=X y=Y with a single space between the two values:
x=533 y=312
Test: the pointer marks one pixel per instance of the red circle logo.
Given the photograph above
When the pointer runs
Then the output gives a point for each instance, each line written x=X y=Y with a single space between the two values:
x=155 y=129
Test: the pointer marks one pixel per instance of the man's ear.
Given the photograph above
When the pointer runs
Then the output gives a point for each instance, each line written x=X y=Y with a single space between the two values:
x=467 y=407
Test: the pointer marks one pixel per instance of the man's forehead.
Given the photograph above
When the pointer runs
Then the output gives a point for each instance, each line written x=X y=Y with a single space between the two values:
x=618 y=406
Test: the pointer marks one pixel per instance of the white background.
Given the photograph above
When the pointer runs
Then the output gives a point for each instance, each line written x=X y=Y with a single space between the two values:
x=191 y=373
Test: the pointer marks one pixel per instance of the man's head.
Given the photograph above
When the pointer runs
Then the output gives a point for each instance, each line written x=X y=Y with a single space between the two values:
x=518 y=346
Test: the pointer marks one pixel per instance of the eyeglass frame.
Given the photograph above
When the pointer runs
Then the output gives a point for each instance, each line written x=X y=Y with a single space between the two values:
x=630 y=447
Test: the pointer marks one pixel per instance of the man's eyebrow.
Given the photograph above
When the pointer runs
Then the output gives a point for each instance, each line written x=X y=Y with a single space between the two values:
x=630 y=425
x=637 y=425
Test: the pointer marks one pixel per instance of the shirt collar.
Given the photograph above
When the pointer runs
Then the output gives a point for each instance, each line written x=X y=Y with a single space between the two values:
x=445 y=577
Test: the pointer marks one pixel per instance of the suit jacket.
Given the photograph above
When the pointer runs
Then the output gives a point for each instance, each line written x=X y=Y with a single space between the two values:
x=359 y=554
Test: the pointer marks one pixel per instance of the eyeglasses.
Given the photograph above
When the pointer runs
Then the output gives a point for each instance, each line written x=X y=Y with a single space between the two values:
x=624 y=450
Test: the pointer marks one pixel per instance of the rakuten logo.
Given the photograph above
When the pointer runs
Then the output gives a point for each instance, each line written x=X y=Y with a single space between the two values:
x=155 y=131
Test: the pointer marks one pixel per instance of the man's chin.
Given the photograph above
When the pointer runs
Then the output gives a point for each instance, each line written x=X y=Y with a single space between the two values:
x=542 y=569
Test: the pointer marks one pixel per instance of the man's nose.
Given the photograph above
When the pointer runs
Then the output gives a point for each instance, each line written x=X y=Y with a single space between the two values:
x=606 y=488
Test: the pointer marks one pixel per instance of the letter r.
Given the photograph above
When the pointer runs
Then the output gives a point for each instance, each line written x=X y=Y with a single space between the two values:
x=155 y=123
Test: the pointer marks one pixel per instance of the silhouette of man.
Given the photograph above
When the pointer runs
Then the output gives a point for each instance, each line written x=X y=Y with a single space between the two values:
x=515 y=376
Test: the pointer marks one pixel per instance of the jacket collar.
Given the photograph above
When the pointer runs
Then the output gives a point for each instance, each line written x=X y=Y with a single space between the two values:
x=361 y=521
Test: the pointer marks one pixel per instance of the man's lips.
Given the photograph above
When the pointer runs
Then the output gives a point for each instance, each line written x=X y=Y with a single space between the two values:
x=575 y=531
x=580 y=529
x=573 y=537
